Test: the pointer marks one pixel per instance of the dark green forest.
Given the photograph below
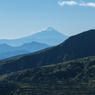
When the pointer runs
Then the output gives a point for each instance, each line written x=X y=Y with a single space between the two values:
x=68 y=78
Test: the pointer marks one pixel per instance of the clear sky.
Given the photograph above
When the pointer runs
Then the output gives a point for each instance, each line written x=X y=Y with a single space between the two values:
x=19 y=18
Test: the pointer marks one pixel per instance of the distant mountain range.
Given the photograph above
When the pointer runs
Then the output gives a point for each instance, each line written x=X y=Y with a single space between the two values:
x=48 y=36
x=7 y=51
x=13 y=54
x=78 y=46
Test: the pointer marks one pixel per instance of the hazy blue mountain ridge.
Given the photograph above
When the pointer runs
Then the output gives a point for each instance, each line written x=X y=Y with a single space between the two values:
x=33 y=46
x=7 y=51
x=13 y=54
x=5 y=48
x=49 y=36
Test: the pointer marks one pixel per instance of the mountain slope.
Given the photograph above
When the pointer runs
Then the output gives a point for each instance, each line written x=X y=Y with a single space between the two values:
x=13 y=54
x=49 y=36
x=7 y=51
x=33 y=46
x=74 y=77
x=78 y=46
x=5 y=48
x=48 y=33
x=75 y=70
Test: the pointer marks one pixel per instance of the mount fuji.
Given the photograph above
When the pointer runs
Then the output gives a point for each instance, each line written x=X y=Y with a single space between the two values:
x=48 y=36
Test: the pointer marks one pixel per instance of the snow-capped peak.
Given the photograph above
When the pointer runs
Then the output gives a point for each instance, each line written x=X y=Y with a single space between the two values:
x=48 y=29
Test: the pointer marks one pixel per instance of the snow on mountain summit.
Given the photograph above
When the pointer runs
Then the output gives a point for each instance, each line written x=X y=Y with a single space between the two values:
x=48 y=29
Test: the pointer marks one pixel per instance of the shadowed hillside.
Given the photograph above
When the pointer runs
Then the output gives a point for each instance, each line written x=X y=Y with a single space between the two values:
x=78 y=46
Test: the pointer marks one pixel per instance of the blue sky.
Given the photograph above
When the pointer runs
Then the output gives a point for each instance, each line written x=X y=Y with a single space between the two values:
x=19 y=18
